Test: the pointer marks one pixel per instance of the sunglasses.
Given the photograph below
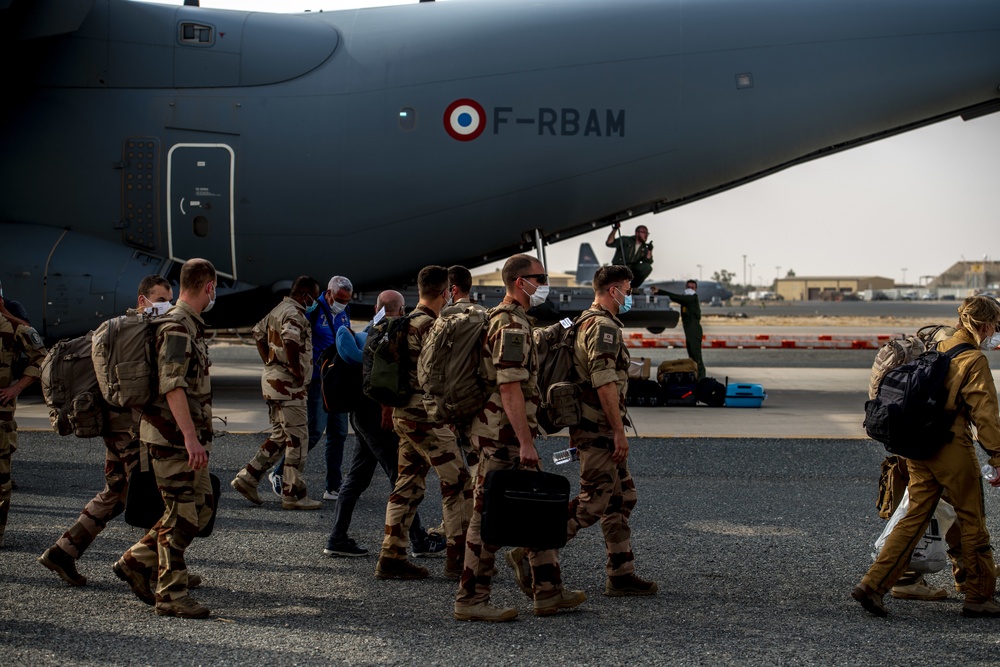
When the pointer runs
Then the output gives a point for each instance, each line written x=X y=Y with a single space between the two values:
x=627 y=292
x=542 y=278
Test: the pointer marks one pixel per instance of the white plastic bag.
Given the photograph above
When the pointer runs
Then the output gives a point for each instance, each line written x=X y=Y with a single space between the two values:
x=931 y=552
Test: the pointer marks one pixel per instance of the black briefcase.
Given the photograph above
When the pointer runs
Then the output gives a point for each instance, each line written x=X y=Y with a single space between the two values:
x=525 y=508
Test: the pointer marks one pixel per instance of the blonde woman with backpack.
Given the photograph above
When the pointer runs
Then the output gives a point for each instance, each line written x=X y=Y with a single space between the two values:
x=972 y=397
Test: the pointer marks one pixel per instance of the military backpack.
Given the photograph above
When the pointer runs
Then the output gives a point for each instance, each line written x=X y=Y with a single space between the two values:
x=386 y=362
x=908 y=415
x=70 y=389
x=557 y=381
x=450 y=371
x=124 y=355
x=899 y=351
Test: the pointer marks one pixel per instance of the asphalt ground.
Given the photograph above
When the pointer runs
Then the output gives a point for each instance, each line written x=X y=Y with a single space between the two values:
x=755 y=543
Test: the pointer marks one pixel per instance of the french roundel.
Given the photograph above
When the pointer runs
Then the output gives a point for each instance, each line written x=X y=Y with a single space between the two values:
x=464 y=119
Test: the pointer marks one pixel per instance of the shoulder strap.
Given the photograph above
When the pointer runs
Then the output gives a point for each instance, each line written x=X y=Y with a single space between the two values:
x=959 y=349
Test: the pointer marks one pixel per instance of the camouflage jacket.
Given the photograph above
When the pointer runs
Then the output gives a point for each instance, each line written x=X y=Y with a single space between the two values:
x=421 y=320
x=973 y=394
x=509 y=356
x=288 y=335
x=14 y=339
x=459 y=307
x=600 y=357
x=181 y=361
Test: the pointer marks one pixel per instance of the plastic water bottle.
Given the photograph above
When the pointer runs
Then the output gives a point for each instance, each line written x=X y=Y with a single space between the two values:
x=565 y=456
x=989 y=472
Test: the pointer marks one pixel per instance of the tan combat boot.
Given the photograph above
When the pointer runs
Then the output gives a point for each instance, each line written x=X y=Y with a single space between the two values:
x=564 y=599
x=62 y=564
x=518 y=561
x=300 y=504
x=135 y=580
x=246 y=486
x=629 y=584
x=399 y=568
x=484 y=611
x=184 y=607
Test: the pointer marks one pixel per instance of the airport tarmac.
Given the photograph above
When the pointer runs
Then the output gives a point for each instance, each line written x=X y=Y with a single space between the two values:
x=756 y=530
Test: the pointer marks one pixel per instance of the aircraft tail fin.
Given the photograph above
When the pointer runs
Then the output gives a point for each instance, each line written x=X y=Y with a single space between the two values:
x=586 y=265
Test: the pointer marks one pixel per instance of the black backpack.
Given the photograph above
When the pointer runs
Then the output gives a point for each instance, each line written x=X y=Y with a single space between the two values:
x=711 y=392
x=341 y=382
x=908 y=416
x=386 y=362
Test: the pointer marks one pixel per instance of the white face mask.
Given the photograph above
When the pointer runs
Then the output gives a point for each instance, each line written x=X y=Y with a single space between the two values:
x=337 y=308
x=991 y=343
x=689 y=291
x=538 y=298
x=158 y=308
x=211 y=302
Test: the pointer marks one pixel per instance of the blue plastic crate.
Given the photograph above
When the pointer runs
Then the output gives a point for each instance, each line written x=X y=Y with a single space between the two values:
x=744 y=395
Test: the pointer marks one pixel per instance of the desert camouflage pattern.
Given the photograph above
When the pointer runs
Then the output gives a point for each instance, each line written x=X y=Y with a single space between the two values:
x=289 y=436
x=480 y=558
x=289 y=351
x=600 y=357
x=510 y=356
x=182 y=361
x=421 y=320
x=607 y=494
x=187 y=495
x=460 y=306
x=13 y=339
x=120 y=457
x=423 y=446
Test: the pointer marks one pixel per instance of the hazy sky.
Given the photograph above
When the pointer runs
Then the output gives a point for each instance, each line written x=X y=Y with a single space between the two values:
x=918 y=202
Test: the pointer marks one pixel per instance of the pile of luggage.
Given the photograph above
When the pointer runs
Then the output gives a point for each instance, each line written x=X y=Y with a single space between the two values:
x=677 y=384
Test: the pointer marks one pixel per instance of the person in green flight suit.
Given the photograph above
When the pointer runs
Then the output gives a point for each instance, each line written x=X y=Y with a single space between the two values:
x=691 y=319
x=635 y=252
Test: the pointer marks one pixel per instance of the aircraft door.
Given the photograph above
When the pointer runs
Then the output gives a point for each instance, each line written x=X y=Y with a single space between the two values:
x=200 y=205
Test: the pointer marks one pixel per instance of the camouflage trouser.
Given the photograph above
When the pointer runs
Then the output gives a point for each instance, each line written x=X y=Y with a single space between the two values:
x=121 y=456
x=289 y=436
x=470 y=452
x=8 y=443
x=480 y=558
x=422 y=446
x=187 y=495
x=607 y=492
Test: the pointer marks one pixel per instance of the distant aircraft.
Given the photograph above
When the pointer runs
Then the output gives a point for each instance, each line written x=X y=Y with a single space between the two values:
x=708 y=290
x=372 y=142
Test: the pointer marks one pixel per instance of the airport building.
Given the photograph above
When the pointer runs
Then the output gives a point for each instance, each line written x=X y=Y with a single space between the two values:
x=829 y=288
x=969 y=277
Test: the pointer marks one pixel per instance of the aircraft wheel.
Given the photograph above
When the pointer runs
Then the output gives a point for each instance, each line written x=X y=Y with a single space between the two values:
x=655 y=330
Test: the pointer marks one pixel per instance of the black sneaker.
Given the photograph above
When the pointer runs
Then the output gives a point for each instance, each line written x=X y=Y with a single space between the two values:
x=430 y=547
x=347 y=548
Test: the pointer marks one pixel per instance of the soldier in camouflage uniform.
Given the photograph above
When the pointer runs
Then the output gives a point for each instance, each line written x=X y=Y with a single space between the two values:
x=423 y=445
x=504 y=433
x=16 y=336
x=459 y=288
x=284 y=342
x=607 y=492
x=176 y=427
x=121 y=431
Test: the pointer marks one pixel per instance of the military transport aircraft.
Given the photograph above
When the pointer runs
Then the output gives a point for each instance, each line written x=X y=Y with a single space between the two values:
x=134 y=136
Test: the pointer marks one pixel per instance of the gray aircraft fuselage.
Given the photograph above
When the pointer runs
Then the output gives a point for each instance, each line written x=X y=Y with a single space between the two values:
x=370 y=143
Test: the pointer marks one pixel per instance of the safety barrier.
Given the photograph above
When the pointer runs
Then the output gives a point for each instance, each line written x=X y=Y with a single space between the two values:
x=641 y=339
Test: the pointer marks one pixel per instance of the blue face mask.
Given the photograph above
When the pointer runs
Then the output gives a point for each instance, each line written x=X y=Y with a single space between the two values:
x=624 y=307
x=312 y=306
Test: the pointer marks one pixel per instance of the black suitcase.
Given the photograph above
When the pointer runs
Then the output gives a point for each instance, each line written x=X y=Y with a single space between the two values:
x=525 y=508
x=644 y=393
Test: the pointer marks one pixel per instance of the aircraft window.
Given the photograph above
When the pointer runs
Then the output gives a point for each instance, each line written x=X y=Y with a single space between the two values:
x=407 y=118
x=201 y=226
x=744 y=80
x=195 y=34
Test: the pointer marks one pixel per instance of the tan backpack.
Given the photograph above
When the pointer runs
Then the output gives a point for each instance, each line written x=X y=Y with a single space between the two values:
x=899 y=351
x=124 y=354
x=450 y=371
x=70 y=389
